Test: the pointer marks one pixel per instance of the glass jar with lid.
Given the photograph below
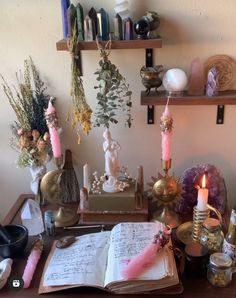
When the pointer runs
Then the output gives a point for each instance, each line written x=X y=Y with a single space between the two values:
x=211 y=235
x=219 y=272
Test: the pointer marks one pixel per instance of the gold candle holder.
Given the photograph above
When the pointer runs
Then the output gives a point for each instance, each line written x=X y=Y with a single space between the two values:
x=166 y=189
x=166 y=165
x=198 y=219
x=59 y=161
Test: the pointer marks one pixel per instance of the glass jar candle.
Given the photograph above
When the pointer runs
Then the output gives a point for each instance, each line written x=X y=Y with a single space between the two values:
x=211 y=235
x=219 y=272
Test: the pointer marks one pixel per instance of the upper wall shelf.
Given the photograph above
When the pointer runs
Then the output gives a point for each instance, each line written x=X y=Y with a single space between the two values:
x=115 y=44
x=159 y=98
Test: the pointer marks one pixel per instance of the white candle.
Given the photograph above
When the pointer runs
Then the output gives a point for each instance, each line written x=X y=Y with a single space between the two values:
x=202 y=197
x=86 y=177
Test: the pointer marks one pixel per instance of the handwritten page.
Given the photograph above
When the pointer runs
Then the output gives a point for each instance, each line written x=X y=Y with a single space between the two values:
x=127 y=240
x=82 y=263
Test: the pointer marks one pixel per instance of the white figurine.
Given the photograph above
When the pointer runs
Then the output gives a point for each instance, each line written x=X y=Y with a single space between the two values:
x=111 y=149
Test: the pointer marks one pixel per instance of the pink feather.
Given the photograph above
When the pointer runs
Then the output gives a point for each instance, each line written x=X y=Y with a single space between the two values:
x=140 y=262
x=146 y=257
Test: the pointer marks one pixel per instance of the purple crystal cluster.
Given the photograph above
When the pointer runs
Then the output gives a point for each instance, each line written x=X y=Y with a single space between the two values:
x=191 y=178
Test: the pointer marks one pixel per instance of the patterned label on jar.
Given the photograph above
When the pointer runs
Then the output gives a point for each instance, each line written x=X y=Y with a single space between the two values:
x=230 y=250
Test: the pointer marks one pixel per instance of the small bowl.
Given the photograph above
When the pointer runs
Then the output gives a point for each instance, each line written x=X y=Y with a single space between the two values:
x=19 y=234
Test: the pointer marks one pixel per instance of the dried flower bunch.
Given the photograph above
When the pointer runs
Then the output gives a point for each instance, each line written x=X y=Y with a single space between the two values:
x=29 y=101
x=81 y=111
x=114 y=94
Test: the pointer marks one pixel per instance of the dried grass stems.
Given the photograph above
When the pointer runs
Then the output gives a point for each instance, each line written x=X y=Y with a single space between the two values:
x=29 y=100
x=81 y=111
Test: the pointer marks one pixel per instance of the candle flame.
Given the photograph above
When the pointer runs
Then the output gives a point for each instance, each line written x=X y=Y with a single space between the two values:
x=204 y=181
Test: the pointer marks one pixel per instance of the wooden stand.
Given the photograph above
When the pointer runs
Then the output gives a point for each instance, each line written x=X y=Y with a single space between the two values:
x=140 y=213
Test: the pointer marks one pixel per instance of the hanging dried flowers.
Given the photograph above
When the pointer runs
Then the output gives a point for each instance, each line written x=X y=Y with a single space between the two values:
x=30 y=133
x=114 y=94
x=81 y=111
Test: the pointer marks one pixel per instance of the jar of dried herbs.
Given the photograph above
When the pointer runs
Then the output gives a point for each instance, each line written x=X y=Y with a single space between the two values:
x=211 y=235
x=219 y=272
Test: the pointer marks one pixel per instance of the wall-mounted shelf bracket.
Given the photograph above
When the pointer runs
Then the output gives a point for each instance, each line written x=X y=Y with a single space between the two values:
x=220 y=114
x=150 y=109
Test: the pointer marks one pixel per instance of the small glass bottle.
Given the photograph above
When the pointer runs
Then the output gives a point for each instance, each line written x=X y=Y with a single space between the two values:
x=219 y=272
x=229 y=245
x=49 y=221
x=211 y=235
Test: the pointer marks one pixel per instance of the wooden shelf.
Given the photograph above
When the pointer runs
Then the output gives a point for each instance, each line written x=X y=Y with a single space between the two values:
x=159 y=98
x=115 y=44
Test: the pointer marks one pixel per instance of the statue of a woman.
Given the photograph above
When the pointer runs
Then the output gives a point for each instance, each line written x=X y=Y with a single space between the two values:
x=111 y=149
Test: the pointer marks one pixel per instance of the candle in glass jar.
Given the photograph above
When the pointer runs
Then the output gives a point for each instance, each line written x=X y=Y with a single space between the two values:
x=52 y=126
x=202 y=197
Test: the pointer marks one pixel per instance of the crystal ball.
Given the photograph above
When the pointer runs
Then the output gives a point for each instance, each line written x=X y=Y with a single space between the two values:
x=141 y=27
x=175 y=80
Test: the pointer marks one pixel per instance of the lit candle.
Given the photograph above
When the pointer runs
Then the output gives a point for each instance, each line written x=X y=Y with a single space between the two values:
x=52 y=126
x=86 y=177
x=202 y=197
x=166 y=132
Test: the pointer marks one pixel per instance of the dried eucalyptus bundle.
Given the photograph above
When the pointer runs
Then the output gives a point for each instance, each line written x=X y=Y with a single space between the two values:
x=81 y=111
x=114 y=96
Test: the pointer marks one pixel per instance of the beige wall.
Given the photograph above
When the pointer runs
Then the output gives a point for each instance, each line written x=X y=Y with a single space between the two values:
x=189 y=28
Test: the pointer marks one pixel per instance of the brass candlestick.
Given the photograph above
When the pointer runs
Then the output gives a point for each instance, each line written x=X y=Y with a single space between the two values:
x=198 y=219
x=64 y=216
x=166 y=189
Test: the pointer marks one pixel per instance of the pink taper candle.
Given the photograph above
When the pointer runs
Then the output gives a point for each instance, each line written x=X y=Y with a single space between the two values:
x=54 y=135
x=166 y=132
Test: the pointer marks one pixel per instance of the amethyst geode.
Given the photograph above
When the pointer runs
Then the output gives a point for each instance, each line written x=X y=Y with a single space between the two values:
x=215 y=183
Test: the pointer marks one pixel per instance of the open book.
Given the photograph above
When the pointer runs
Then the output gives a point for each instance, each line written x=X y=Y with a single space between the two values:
x=97 y=260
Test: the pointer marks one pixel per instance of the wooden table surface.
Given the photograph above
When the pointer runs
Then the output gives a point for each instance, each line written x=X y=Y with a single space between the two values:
x=193 y=287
